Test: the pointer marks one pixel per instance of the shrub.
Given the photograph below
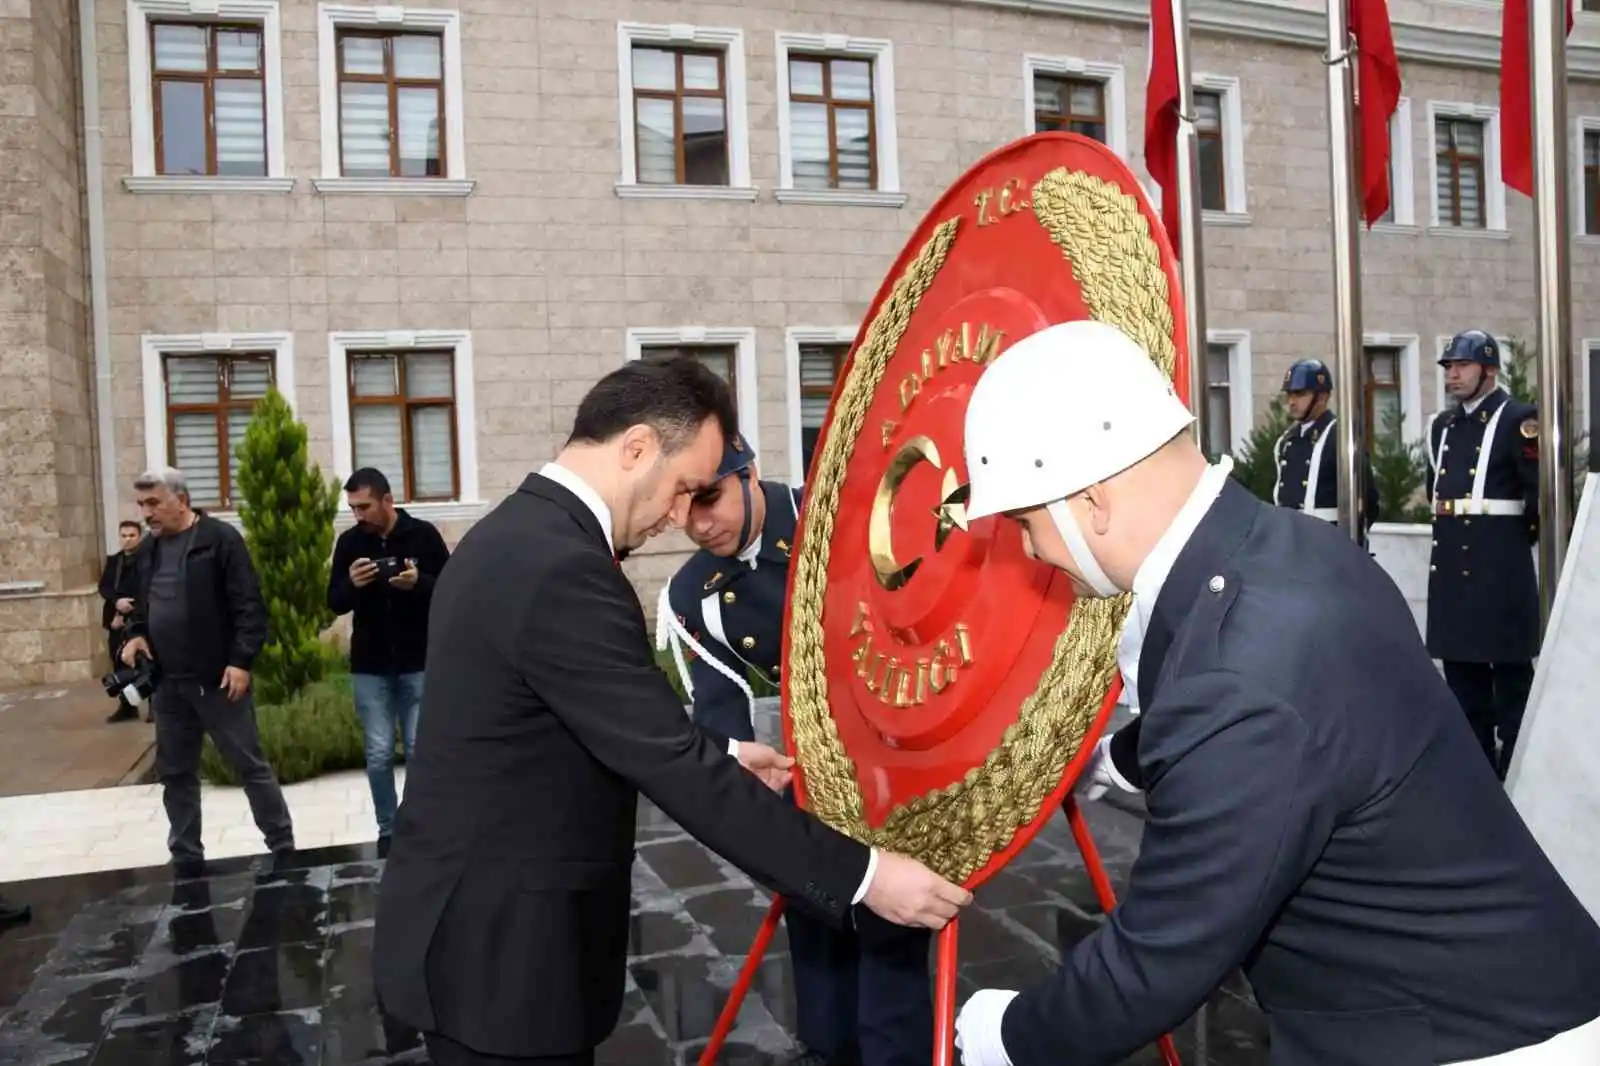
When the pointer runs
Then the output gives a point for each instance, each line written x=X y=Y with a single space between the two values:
x=312 y=733
x=1255 y=466
x=287 y=512
x=1400 y=469
x=760 y=685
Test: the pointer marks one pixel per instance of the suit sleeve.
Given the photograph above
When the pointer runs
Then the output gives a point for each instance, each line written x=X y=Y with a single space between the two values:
x=1235 y=821
x=245 y=602
x=1428 y=471
x=598 y=677
x=108 y=584
x=1125 y=753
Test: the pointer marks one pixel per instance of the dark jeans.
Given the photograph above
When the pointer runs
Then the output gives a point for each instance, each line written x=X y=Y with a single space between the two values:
x=185 y=714
x=1494 y=696
x=385 y=702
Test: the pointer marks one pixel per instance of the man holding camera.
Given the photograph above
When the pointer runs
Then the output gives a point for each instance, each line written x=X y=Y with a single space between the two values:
x=198 y=623
x=119 y=580
x=383 y=570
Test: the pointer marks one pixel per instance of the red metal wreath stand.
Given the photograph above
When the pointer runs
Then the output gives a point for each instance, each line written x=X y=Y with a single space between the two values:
x=944 y=997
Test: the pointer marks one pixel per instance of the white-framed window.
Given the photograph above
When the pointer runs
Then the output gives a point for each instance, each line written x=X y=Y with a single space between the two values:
x=1230 y=405
x=1467 y=196
x=1078 y=96
x=1393 y=383
x=1402 y=169
x=682 y=112
x=404 y=402
x=814 y=357
x=1219 y=129
x=205 y=97
x=391 y=101
x=199 y=392
x=1586 y=177
x=1440 y=343
x=837 y=140
x=729 y=351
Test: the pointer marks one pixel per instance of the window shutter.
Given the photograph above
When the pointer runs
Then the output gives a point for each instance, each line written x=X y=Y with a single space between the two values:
x=194 y=447
x=375 y=435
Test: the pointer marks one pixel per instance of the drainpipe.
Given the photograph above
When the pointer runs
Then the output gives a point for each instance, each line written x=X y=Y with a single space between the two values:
x=99 y=301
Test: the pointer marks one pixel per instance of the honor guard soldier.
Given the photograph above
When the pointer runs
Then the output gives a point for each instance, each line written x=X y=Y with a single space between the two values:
x=862 y=997
x=1308 y=470
x=1483 y=596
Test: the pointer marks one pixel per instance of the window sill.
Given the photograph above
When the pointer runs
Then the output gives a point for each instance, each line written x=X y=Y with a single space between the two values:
x=1409 y=229
x=1225 y=218
x=841 y=197
x=394 y=186
x=202 y=183
x=1586 y=238
x=632 y=191
x=1470 y=234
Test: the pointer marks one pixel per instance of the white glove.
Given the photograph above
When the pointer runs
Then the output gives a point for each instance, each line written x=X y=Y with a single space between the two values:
x=978 y=1028
x=1101 y=773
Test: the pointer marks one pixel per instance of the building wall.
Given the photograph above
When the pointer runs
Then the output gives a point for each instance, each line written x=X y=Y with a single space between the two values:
x=49 y=533
x=544 y=266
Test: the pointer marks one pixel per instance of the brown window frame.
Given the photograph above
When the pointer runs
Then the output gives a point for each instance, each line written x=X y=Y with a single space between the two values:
x=677 y=96
x=1591 y=173
x=395 y=84
x=840 y=351
x=832 y=105
x=1220 y=135
x=207 y=78
x=1068 y=117
x=1371 y=387
x=405 y=404
x=220 y=408
x=657 y=352
x=1445 y=149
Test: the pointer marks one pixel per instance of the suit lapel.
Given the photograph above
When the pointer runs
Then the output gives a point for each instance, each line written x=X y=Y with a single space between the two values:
x=563 y=497
x=1215 y=540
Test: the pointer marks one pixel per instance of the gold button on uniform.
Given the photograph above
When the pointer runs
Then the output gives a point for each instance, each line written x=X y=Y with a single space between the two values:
x=728 y=597
x=748 y=642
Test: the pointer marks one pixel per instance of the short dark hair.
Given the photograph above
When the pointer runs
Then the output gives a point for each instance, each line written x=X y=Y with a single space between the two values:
x=368 y=478
x=128 y=523
x=672 y=396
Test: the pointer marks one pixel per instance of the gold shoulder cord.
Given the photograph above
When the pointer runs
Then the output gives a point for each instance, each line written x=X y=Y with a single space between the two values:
x=1106 y=241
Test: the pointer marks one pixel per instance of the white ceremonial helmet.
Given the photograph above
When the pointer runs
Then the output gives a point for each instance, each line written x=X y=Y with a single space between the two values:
x=1060 y=410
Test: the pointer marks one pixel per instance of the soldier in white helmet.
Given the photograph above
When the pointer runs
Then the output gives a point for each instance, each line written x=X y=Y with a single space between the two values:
x=1318 y=812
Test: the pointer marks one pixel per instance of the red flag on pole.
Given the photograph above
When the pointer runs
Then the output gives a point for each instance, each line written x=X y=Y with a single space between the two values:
x=1378 y=87
x=1516 y=97
x=1161 y=116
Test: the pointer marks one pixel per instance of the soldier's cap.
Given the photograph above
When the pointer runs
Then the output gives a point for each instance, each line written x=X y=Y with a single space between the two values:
x=737 y=455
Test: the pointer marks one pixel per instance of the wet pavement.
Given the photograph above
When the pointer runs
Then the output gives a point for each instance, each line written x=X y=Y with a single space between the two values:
x=256 y=963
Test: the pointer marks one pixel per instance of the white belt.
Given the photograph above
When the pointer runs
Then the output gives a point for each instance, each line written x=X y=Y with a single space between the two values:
x=1327 y=514
x=1479 y=507
x=1575 y=1047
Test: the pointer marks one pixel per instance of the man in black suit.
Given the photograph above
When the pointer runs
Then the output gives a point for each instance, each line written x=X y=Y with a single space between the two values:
x=502 y=926
x=1319 y=814
x=119 y=583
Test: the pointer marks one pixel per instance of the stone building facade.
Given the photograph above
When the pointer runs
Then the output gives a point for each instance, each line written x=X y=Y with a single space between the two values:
x=433 y=226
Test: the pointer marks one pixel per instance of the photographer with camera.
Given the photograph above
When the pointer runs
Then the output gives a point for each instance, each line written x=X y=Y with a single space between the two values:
x=119 y=581
x=197 y=625
x=383 y=571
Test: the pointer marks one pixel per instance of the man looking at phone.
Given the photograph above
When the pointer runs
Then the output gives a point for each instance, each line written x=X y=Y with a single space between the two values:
x=383 y=570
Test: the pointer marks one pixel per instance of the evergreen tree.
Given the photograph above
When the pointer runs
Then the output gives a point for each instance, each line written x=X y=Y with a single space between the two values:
x=1399 y=468
x=287 y=513
x=1256 y=464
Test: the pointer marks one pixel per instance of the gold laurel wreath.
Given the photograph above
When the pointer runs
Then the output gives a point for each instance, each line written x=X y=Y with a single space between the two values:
x=1105 y=239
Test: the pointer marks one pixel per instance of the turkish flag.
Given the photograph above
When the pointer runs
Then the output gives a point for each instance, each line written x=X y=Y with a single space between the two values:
x=1161 y=116
x=1378 y=87
x=1516 y=97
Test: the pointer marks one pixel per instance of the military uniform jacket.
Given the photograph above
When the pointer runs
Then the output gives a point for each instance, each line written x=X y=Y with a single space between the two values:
x=1483 y=596
x=726 y=618
x=1301 y=450
x=1320 y=815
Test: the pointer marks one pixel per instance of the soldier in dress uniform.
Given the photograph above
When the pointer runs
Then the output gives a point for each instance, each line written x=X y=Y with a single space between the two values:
x=1308 y=470
x=862 y=997
x=1483 y=597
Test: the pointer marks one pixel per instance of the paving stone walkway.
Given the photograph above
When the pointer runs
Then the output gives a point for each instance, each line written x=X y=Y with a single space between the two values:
x=56 y=739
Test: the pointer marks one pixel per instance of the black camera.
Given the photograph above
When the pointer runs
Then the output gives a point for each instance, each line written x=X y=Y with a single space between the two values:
x=389 y=567
x=133 y=683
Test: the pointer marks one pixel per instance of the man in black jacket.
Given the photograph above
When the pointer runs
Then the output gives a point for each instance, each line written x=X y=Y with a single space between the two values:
x=119 y=581
x=1318 y=813
x=199 y=616
x=383 y=570
x=502 y=925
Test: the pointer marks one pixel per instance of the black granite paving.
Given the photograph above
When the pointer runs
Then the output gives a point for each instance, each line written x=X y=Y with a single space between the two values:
x=271 y=964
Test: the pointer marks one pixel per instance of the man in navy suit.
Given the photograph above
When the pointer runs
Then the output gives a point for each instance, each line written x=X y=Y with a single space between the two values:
x=1319 y=813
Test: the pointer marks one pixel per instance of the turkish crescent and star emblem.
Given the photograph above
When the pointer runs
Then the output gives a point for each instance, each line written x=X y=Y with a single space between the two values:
x=943 y=688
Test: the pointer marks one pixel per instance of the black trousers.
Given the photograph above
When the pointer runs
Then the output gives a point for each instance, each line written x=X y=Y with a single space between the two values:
x=446 y=1052
x=1493 y=697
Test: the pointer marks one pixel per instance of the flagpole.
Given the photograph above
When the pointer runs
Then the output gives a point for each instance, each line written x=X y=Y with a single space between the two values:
x=1190 y=230
x=1349 y=371
x=1547 y=44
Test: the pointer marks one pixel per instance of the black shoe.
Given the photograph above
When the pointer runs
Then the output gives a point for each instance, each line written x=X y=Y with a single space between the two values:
x=385 y=842
x=13 y=913
x=123 y=714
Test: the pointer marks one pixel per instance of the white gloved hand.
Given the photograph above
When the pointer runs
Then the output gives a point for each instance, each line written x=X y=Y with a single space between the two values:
x=978 y=1028
x=1101 y=774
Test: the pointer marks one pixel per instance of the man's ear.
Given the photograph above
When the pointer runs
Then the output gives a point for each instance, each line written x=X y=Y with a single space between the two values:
x=635 y=445
x=1099 y=508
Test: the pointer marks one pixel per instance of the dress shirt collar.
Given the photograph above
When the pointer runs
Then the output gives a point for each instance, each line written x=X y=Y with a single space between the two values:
x=581 y=489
